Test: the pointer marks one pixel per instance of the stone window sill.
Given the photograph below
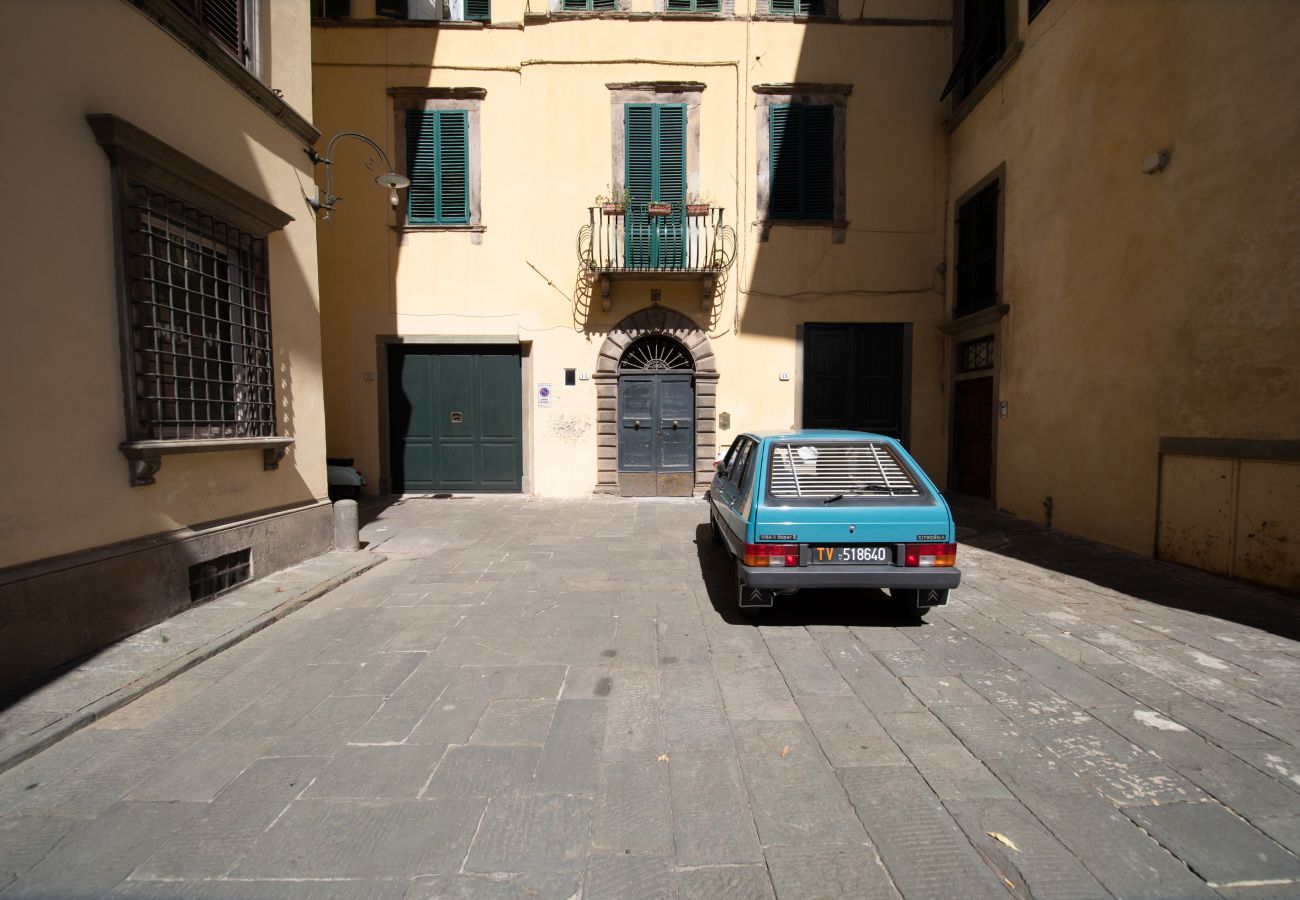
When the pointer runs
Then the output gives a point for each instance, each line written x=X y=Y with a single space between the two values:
x=145 y=457
x=985 y=316
x=471 y=229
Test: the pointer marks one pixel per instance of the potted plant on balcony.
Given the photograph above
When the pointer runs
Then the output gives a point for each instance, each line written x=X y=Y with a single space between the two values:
x=614 y=202
x=659 y=209
x=698 y=204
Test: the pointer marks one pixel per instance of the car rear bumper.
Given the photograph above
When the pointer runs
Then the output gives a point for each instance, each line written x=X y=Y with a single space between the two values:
x=780 y=578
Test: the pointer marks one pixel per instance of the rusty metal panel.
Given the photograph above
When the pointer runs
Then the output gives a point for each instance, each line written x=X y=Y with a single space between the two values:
x=1268 y=523
x=1197 y=502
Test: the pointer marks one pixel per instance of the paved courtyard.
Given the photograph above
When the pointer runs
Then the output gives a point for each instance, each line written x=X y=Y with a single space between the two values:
x=549 y=699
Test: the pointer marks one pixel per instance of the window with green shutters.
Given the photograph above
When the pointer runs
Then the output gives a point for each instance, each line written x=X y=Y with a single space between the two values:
x=654 y=147
x=796 y=7
x=437 y=160
x=473 y=10
x=706 y=6
x=590 y=5
x=802 y=158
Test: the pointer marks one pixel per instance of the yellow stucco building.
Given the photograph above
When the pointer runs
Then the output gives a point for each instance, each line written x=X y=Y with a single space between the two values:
x=164 y=420
x=1050 y=245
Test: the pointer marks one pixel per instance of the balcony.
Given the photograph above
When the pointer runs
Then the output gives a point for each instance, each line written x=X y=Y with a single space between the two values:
x=656 y=240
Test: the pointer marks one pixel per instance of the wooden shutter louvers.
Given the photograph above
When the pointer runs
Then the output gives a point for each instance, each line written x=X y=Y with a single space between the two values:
x=437 y=153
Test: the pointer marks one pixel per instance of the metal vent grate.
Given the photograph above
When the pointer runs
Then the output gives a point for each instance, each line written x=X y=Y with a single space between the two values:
x=824 y=470
x=214 y=576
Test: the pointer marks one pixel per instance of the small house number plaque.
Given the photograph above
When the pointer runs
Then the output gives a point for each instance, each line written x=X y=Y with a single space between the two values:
x=457 y=418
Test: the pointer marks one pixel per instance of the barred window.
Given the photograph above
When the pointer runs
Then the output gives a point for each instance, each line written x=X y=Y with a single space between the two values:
x=198 y=372
x=972 y=356
x=200 y=323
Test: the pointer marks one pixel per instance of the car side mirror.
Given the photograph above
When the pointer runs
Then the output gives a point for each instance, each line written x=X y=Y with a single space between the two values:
x=722 y=471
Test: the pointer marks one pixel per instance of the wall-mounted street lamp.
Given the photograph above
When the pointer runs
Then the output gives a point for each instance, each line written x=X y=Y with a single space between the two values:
x=389 y=179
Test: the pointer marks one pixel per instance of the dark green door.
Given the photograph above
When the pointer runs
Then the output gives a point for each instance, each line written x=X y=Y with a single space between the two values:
x=454 y=418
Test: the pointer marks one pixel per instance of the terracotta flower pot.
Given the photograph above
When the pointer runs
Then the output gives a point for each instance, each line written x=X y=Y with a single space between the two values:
x=612 y=209
x=659 y=209
x=697 y=209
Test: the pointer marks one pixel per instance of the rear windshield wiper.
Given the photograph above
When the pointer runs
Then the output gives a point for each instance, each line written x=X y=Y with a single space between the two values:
x=865 y=489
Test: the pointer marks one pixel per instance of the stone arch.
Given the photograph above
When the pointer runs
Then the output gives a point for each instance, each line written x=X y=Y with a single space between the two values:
x=654 y=320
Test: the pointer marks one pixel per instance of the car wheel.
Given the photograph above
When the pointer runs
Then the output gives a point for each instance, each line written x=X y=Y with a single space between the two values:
x=714 y=531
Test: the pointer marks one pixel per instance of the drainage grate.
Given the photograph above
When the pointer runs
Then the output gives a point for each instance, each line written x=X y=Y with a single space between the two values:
x=214 y=576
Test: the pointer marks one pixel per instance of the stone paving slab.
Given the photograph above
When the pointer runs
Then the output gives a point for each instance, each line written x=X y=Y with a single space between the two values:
x=558 y=699
x=34 y=717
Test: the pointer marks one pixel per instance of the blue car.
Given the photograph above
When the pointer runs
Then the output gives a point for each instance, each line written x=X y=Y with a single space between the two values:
x=832 y=509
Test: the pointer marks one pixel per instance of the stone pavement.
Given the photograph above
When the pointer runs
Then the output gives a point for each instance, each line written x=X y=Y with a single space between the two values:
x=555 y=699
x=40 y=712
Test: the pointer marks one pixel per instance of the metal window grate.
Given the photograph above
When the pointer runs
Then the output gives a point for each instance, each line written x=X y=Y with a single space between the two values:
x=213 y=576
x=200 y=323
x=823 y=470
x=655 y=353
x=972 y=356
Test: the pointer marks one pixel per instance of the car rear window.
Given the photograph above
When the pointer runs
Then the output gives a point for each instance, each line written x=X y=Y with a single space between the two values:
x=867 y=469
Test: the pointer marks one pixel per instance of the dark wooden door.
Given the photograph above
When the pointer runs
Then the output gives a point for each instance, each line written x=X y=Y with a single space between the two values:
x=972 y=439
x=455 y=419
x=854 y=377
x=656 y=415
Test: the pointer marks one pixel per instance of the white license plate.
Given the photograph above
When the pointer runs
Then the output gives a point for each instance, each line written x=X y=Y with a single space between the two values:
x=857 y=554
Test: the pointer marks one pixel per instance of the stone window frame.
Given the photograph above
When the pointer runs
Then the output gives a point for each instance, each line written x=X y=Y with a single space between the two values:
x=556 y=8
x=763 y=10
x=833 y=95
x=727 y=11
x=138 y=158
x=685 y=92
x=406 y=99
x=244 y=76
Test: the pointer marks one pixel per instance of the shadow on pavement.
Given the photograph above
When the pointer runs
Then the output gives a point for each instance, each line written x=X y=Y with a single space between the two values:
x=867 y=608
x=1153 y=580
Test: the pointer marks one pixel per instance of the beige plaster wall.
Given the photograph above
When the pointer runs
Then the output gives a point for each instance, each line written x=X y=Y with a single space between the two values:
x=1143 y=306
x=546 y=153
x=66 y=485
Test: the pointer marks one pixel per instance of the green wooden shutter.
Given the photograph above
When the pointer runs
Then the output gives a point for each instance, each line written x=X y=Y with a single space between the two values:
x=639 y=143
x=478 y=10
x=422 y=167
x=453 y=167
x=783 y=158
x=782 y=7
x=392 y=9
x=679 y=5
x=577 y=4
x=818 y=152
x=801 y=151
x=437 y=154
x=708 y=6
x=604 y=5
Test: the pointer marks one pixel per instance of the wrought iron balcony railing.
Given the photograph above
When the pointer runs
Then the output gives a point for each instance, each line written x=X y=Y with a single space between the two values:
x=656 y=239
x=632 y=239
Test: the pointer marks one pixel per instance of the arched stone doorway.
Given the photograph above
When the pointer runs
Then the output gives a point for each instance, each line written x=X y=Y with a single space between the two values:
x=655 y=362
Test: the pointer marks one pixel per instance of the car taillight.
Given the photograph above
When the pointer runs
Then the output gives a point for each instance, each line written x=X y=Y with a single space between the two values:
x=930 y=555
x=772 y=555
